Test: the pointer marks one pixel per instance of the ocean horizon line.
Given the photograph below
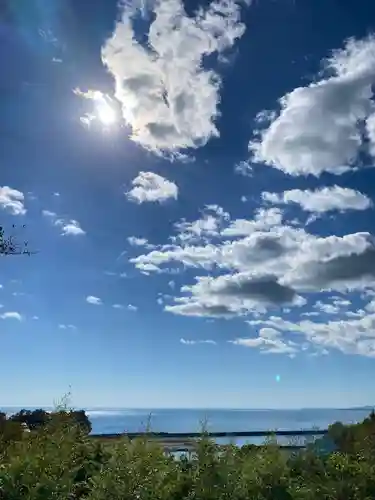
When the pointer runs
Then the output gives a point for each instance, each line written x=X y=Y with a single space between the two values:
x=166 y=408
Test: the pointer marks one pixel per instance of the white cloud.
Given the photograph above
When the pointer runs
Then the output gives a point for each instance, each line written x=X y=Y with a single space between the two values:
x=68 y=227
x=118 y=306
x=269 y=342
x=169 y=100
x=96 y=301
x=258 y=265
x=137 y=242
x=335 y=263
x=67 y=327
x=310 y=313
x=263 y=220
x=341 y=303
x=71 y=227
x=370 y=129
x=244 y=168
x=132 y=308
x=150 y=187
x=11 y=315
x=148 y=268
x=355 y=314
x=195 y=342
x=258 y=252
x=233 y=295
x=318 y=128
x=353 y=336
x=35 y=318
x=322 y=200
x=12 y=200
x=48 y=213
x=296 y=258
x=208 y=226
x=326 y=308
x=370 y=307
x=338 y=306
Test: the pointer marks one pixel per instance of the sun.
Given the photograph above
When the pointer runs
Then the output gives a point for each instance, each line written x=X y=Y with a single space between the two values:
x=104 y=109
x=106 y=114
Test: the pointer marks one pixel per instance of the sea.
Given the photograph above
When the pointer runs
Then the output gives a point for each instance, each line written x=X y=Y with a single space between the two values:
x=118 y=420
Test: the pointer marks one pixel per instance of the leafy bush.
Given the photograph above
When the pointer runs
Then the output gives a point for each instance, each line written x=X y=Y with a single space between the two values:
x=58 y=460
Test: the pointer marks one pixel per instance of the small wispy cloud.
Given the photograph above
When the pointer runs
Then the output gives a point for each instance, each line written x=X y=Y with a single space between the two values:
x=110 y=273
x=139 y=242
x=132 y=308
x=96 y=301
x=269 y=341
x=48 y=213
x=12 y=200
x=67 y=327
x=243 y=168
x=195 y=342
x=70 y=228
x=118 y=306
x=12 y=315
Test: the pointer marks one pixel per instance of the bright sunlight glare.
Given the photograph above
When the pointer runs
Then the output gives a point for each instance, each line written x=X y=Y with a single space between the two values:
x=106 y=114
x=103 y=111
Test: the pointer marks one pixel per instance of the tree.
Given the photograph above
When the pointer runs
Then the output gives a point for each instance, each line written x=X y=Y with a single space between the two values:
x=37 y=419
x=82 y=420
x=9 y=245
x=34 y=419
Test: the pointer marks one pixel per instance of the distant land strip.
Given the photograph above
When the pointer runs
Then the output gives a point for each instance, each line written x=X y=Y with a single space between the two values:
x=187 y=435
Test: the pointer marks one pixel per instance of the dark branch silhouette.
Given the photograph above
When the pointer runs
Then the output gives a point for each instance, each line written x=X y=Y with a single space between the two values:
x=9 y=245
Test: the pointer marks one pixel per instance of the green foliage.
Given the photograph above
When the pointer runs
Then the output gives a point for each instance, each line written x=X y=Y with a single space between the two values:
x=9 y=432
x=58 y=460
x=356 y=438
x=35 y=419
x=32 y=418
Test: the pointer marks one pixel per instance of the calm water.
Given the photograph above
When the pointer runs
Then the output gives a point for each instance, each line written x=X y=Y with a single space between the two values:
x=105 y=421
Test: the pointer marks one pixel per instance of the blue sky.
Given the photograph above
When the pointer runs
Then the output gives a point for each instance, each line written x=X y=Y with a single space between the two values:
x=197 y=179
